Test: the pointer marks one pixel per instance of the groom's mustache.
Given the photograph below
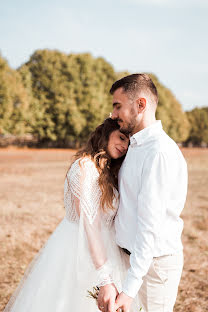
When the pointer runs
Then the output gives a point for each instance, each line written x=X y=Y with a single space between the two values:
x=118 y=119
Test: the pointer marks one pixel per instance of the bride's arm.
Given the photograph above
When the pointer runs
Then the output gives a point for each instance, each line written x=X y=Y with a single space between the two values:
x=91 y=250
x=93 y=239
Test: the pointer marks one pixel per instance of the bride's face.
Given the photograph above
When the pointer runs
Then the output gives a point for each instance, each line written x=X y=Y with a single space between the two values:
x=117 y=144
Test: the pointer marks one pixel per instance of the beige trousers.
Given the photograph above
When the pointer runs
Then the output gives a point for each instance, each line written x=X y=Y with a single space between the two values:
x=160 y=286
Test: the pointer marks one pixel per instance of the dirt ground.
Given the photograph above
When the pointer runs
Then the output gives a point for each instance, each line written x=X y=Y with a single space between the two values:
x=31 y=206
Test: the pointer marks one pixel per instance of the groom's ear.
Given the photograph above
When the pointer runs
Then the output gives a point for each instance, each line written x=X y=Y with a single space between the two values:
x=141 y=104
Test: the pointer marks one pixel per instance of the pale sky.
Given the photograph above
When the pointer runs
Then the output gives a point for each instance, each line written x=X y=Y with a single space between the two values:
x=166 y=37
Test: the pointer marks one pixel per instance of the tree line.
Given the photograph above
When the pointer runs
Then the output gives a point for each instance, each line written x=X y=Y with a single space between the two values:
x=58 y=99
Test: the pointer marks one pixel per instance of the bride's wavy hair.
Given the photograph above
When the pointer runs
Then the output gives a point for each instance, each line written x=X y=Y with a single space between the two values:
x=108 y=168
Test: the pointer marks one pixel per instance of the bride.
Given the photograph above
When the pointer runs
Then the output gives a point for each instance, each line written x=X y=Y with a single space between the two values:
x=81 y=253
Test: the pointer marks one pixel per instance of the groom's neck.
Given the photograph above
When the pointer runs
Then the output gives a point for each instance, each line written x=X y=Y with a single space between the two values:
x=144 y=123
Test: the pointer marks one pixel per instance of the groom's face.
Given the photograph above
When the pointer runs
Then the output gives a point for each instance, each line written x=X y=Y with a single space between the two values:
x=124 y=110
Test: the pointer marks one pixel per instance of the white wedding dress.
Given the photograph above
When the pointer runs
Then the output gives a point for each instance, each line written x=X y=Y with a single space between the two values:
x=80 y=254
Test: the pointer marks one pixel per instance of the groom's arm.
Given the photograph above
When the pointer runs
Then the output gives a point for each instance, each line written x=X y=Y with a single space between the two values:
x=151 y=214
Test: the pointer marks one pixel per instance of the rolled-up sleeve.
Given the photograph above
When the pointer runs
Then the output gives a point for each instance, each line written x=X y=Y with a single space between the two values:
x=151 y=214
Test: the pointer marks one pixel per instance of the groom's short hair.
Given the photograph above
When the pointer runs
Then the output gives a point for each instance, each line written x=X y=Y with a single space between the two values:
x=135 y=83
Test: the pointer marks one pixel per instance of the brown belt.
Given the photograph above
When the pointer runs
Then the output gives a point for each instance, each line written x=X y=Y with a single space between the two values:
x=126 y=251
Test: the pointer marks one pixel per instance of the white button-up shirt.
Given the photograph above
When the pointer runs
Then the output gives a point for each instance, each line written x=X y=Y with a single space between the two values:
x=153 y=187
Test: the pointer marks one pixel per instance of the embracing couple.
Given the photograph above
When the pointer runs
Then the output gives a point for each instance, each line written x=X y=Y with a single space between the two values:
x=123 y=195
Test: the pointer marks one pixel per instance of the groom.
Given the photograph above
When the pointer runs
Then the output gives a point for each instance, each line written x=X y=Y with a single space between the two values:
x=153 y=187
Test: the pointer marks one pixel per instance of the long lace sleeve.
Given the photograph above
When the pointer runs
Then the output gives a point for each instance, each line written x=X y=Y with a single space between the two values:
x=91 y=250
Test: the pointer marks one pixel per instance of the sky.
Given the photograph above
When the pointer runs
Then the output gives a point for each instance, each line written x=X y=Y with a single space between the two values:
x=166 y=37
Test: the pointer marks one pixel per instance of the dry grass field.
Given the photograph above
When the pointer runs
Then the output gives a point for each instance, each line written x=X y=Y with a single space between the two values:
x=31 y=206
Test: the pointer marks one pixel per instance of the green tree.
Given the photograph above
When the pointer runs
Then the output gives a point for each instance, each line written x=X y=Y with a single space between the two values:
x=95 y=77
x=13 y=101
x=198 y=119
x=72 y=94
x=61 y=98
x=174 y=119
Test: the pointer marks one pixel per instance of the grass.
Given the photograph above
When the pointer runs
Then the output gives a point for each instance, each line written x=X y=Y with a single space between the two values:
x=31 y=206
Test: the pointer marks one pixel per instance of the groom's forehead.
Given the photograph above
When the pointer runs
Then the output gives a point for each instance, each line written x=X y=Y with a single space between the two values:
x=120 y=97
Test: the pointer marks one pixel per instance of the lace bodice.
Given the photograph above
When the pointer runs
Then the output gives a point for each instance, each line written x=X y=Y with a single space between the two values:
x=81 y=189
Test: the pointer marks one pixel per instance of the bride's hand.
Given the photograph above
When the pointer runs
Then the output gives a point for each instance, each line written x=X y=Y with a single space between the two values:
x=107 y=297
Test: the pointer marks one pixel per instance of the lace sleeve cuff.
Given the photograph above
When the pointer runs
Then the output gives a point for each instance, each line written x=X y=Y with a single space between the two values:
x=105 y=274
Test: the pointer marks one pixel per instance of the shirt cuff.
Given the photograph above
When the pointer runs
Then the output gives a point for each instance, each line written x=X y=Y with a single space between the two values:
x=131 y=285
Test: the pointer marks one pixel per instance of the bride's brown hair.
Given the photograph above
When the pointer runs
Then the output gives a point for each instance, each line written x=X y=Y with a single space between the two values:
x=96 y=150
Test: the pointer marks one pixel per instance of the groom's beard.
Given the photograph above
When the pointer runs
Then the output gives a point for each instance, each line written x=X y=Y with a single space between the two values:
x=128 y=126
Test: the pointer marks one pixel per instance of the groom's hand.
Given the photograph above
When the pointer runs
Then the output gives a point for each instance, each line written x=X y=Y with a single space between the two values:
x=123 y=302
x=106 y=298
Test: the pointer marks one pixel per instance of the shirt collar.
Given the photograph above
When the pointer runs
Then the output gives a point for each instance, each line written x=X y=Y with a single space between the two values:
x=141 y=136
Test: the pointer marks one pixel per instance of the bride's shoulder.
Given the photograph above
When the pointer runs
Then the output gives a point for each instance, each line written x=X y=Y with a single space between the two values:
x=84 y=165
